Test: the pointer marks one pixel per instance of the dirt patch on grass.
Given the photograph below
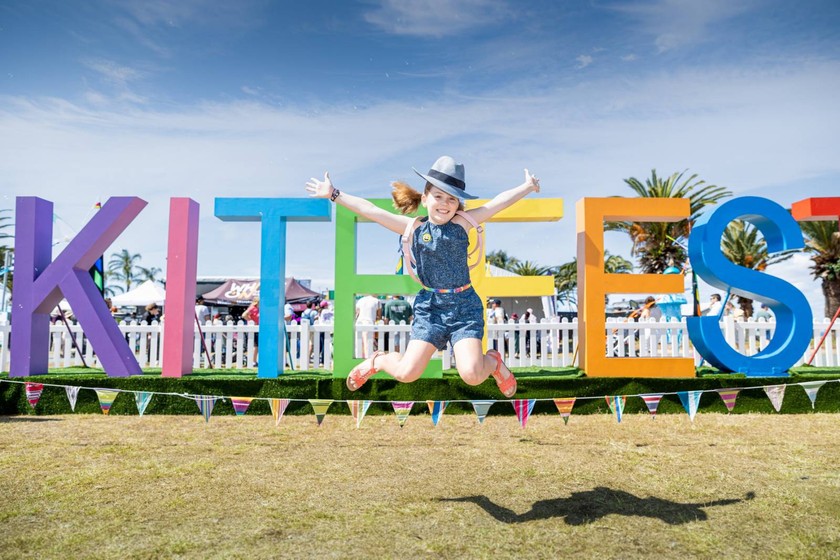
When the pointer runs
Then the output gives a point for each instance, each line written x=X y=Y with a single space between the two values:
x=239 y=487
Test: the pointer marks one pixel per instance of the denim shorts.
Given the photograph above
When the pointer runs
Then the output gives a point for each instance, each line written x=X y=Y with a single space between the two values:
x=442 y=318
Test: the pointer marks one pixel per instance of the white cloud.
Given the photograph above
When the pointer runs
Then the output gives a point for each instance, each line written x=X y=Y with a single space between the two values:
x=436 y=18
x=685 y=22
x=583 y=61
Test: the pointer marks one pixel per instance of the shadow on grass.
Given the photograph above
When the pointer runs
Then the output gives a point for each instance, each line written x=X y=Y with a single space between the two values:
x=581 y=508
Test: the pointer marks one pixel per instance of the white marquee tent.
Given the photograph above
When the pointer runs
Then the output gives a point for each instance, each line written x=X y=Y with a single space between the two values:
x=144 y=294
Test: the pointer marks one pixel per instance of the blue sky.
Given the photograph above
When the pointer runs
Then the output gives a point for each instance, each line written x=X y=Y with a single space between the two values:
x=252 y=98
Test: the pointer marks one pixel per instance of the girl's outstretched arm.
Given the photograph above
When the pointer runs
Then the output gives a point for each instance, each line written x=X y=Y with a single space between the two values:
x=505 y=199
x=360 y=206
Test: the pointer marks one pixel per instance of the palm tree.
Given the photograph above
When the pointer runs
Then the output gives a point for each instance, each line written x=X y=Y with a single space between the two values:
x=656 y=243
x=152 y=273
x=502 y=260
x=528 y=268
x=565 y=275
x=742 y=245
x=823 y=242
x=123 y=267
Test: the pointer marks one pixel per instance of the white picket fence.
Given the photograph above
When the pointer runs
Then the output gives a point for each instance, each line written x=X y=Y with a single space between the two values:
x=546 y=343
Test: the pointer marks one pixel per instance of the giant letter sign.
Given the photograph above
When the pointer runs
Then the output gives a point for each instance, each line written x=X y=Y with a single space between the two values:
x=793 y=314
x=181 y=270
x=39 y=284
x=273 y=213
x=594 y=284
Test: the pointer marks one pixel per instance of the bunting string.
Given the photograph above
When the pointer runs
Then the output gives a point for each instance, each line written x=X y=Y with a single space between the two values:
x=358 y=408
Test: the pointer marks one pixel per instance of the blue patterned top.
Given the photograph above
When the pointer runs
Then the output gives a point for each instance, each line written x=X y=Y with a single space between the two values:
x=441 y=254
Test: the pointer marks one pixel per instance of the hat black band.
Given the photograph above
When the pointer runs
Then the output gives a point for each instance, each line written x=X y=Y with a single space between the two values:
x=448 y=179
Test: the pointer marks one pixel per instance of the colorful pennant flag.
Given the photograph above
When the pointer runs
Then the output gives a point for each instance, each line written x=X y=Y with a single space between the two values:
x=652 y=402
x=358 y=409
x=436 y=409
x=205 y=405
x=72 y=395
x=142 y=400
x=240 y=404
x=776 y=394
x=728 y=396
x=33 y=393
x=402 y=409
x=690 y=401
x=320 y=407
x=616 y=405
x=106 y=399
x=811 y=388
x=523 y=408
x=564 y=407
x=278 y=407
x=481 y=408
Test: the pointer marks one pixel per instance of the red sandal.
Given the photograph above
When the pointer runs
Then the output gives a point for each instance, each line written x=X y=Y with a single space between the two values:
x=506 y=385
x=358 y=376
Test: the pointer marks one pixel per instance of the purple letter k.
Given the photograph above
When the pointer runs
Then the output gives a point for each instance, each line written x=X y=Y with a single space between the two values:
x=40 y=283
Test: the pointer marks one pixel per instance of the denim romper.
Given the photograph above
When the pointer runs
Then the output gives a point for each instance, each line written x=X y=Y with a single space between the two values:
x=441 y=256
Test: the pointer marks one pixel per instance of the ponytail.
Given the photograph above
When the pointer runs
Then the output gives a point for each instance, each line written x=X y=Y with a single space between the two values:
x=406 y=199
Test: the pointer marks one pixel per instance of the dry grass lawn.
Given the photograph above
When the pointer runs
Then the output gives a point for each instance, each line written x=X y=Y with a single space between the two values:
x=743 y=486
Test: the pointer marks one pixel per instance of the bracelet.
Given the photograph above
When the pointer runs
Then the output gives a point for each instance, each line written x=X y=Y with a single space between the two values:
x=335 y=194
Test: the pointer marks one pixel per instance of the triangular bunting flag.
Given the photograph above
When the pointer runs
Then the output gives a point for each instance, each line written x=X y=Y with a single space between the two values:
x=523 y=408
x=436 y=409
x=811 y=388
x=402 y=409
x=278 y=407
x=142 y=399
x=33 y=393
x=72 y=395
x=358 y=409
x=728 y=396
x=652 y=402
x=690 y=401
x=240 y=404
x=616 y=405
x=320 y=407
x=564 y=407
x=776 y=394
x=481 y=408
x=205 y=405
x=106 y=399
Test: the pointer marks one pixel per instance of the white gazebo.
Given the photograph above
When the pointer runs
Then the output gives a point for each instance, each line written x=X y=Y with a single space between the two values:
x=144 y=294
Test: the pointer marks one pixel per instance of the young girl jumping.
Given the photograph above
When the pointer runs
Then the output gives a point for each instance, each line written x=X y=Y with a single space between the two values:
x=447 y=309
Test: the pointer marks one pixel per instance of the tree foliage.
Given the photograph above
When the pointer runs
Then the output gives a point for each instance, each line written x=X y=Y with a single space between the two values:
x=656 y=244
x=823 y=243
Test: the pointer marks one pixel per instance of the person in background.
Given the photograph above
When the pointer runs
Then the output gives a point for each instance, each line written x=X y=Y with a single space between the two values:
x=310 y=315
x=715 y=306
x=325 y=316
x=650 y=310
x=763 y=313
x=515 y=317
x=202 y=312
x=252 y=313
x=367 y=313
x=396 y=311
x=152 y=313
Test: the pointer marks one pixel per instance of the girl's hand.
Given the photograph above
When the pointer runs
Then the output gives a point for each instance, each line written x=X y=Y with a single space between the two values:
x=532 y=181
x=320 y=189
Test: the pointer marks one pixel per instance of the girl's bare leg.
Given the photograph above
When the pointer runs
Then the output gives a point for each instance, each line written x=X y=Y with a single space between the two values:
x=407 y=367
x=474 y=366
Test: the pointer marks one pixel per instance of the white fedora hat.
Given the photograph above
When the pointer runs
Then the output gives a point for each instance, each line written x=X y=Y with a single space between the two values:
x=448 y=176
